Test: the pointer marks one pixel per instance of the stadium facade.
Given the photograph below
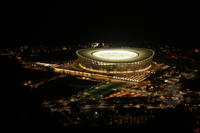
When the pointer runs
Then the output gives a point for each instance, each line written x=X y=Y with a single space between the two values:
x=115 y=60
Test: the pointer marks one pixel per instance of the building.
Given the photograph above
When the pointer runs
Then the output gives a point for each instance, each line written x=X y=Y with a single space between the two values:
x=115 y=61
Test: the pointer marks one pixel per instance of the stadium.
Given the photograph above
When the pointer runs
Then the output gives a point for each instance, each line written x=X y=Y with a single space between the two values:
x=115 y=60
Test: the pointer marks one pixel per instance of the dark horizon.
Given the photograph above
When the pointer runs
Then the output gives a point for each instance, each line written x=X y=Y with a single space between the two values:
x=102 y=21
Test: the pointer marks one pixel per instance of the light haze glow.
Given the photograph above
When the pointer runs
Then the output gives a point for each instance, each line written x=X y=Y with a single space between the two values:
x=115 y=54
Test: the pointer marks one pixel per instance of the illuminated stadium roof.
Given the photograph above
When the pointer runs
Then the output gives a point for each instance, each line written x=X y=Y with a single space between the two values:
x=116 y=55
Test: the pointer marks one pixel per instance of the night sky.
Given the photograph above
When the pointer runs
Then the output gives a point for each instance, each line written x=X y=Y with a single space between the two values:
x=101 y=21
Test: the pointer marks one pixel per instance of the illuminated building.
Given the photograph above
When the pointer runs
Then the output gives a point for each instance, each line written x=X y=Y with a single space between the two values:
x=132 y=64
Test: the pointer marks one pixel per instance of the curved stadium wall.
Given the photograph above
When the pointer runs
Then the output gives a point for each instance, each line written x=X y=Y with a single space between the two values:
x=89 y=62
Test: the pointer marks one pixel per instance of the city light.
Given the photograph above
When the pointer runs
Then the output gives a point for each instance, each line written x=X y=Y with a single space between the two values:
x=114 y=87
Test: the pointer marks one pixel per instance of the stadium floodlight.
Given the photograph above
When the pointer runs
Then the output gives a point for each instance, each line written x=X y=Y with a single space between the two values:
x=115 y=54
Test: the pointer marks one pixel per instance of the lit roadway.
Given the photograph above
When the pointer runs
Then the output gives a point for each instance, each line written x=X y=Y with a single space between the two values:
x=70 y=68
x=86 y=74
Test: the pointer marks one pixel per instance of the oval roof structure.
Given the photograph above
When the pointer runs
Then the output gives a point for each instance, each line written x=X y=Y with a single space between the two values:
x=116 y=55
